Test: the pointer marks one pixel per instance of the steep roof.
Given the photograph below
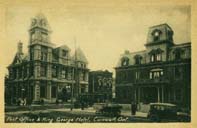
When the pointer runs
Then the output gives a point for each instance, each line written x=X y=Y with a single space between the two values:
x=79 y=56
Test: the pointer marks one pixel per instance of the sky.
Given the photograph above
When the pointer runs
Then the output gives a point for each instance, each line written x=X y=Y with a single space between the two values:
x=102 y=31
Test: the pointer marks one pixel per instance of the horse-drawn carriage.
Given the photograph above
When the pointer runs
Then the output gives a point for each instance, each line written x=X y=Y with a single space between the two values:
x=109 y=109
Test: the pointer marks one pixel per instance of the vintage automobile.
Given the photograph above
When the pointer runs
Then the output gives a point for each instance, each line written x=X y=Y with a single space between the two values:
x=108 y=109
x=166 y=112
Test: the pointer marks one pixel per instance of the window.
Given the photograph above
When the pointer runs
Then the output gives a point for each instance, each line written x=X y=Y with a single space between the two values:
x=156 y=73
x=84 y=76
x=33 y=36
x=152 y=58
x=125 y=62
x=158 y=57
x=83 y=89
x=138 y=59
x=42 y=91
x=43 y=70
x=19 y=72
x=137 y=75
x=14 y=73
x=177 y=73
x=54 y=71
x=155 y=55
x=64 y=53
x=64 y=73
x=31 y=54
x=151 y=75
x=53 y=91
x=44 y=54
x=177 y=55
x=31 y=70
x=44 y=37
x=25 y=71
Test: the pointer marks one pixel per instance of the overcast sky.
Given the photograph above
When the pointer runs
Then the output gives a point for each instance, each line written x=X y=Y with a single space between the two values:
x=102 y=31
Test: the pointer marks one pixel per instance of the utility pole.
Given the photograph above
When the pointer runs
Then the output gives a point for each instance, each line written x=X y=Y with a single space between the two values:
x=73 y=77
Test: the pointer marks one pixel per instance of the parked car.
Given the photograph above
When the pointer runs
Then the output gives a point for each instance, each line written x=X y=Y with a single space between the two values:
x=108 y=109
x=166 y=111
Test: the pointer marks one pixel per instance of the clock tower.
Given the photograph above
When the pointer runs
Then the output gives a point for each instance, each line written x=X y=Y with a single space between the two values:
x=39 y=30
x=159 y=40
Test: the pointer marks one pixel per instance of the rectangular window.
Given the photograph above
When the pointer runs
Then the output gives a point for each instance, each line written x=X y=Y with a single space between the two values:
x=152 y=58
x=156 y=74
x=177 y=73
x=44 y=52
x=63 y=73
x=151 y=75
x=84 y=76
x=83 y=89
x=53 y=91
x=43 y=70
x=137 y=75
x=25 y=71
x=42 y=91
x=31 y=54
x=54 y=71
x=158 y=57
x=19 y=72
x=31 y=70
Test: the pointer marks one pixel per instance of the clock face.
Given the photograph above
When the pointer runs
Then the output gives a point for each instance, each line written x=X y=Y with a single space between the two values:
x=156 y=33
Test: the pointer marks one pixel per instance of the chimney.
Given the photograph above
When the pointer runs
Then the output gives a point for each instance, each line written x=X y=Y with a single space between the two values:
x=20 y=47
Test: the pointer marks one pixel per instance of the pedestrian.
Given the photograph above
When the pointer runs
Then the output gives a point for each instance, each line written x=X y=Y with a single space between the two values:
x=133 y=108
x=82 y=105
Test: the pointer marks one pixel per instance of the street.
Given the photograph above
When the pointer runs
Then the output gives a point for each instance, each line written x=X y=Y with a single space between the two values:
x=65 y=115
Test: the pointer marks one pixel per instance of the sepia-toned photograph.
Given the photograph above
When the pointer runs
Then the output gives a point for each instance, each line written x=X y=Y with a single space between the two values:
x=75 y=62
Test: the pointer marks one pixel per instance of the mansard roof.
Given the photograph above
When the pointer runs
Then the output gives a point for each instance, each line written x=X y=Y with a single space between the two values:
x=64 y=47
x=131 y=57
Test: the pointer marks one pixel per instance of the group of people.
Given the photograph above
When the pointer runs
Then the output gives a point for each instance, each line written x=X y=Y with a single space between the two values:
x=22 y=102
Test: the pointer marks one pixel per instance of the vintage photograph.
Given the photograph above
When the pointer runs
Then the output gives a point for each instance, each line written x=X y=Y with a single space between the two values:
x=97 y=63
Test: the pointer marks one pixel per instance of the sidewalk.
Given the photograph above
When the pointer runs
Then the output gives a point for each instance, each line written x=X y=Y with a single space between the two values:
x=138 y=114
x=89 y=110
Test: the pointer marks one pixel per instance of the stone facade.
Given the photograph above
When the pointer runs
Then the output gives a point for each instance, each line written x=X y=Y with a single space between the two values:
x=46 y=72
x=100 y=85
x=160 y=73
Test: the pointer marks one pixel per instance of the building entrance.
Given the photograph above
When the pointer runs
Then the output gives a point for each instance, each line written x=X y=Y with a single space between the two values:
x=149 y=95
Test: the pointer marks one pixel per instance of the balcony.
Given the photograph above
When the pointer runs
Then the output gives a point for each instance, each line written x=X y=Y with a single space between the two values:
x=160 y=80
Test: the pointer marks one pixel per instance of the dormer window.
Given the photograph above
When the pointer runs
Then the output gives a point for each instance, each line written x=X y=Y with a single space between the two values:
x=155 y=55
x=138 y=59
x=125 y=61
x=64 y=53
x=177 y=54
